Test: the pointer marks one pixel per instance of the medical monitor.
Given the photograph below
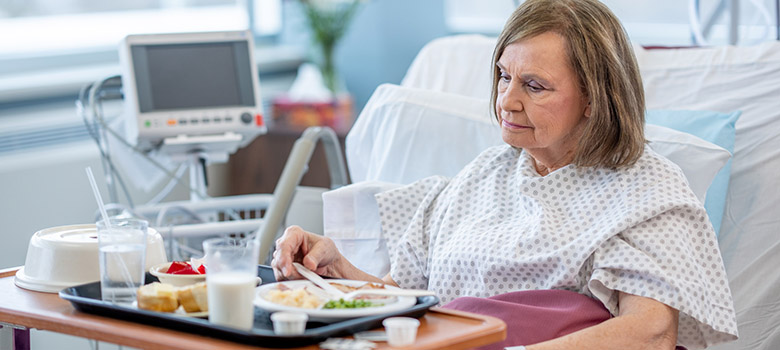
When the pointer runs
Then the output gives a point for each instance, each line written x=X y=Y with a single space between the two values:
x=190 y=85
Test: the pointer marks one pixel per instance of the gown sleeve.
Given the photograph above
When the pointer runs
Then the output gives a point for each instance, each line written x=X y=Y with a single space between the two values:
x=672 y=257
x=405 y=214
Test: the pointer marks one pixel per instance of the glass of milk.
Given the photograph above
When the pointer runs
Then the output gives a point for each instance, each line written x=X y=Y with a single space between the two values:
x=231 y=277
x=122 y=250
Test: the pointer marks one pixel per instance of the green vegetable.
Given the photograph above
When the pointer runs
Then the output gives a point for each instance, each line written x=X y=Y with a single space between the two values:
x=351 y=304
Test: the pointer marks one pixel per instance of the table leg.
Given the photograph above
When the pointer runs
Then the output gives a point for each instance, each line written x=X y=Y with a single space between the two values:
x=19 y=336
x=21 y=339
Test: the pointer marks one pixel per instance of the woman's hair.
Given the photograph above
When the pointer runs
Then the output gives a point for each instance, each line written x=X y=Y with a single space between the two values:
x=601 y=55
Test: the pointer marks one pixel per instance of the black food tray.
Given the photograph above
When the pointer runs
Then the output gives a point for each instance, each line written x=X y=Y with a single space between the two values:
x=86 y=298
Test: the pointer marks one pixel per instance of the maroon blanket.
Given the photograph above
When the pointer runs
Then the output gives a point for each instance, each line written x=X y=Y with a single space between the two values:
x=536 y=315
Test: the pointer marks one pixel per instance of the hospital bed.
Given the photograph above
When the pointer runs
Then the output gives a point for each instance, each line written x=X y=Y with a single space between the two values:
x=438 y=119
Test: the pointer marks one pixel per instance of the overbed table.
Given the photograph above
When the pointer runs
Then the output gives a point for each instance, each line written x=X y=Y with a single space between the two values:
x=439 y=328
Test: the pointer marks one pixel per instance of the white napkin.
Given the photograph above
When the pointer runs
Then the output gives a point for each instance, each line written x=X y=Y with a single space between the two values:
x=308 y=86
x=351 y=219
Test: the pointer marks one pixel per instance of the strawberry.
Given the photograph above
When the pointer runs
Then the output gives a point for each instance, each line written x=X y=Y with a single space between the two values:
x=186 y=271
x=178 y=266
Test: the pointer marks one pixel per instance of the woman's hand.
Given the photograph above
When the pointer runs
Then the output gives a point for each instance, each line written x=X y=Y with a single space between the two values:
x=316 y=252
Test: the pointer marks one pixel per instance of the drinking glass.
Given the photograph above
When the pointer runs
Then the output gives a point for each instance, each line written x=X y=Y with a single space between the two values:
x=231 y=277
x=122 y=253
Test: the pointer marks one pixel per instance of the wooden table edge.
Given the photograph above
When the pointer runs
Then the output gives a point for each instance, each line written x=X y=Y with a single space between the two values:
x=9 y=271
x=494 y=330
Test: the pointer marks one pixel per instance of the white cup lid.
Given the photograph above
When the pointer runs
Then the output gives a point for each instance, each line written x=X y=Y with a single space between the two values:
x=289 y=316
x=401 y=322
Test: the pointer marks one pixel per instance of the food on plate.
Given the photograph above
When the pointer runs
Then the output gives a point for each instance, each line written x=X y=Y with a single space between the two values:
x=376 y=299
x=304 y=298
x=164 y=297
x=346 y=289
x=194 y=298
x=299 y=297
x=185 y=268
x=349 y=304
x=158 y=296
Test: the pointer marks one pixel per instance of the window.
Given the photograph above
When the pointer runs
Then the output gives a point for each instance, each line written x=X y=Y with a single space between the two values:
x=52 y=36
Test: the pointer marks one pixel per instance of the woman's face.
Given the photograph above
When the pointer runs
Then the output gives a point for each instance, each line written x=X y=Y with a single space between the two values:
x=540 y=105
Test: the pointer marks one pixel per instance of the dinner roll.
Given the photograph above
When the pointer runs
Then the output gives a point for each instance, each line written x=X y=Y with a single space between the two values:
x=194 y=297
x=157 y=296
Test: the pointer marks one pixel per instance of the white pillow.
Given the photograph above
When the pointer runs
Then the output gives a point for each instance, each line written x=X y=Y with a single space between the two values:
x=699 y=160
x=405 y=134
x=459 y=64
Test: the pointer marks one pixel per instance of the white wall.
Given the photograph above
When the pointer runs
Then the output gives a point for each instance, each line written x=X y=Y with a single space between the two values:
x=47 y=186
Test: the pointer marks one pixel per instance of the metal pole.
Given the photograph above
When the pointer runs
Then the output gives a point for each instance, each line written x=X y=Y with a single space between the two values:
x=733 y=22
x=296 y=166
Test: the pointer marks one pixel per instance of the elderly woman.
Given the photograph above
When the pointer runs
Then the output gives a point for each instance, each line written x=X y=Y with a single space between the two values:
x=575 y=201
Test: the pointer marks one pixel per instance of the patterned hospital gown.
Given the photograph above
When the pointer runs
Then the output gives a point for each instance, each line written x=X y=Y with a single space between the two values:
x=498 y=226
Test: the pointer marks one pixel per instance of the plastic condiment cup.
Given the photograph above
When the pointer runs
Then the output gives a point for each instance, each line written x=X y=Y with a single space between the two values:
x=401 y=331
x=289 y=323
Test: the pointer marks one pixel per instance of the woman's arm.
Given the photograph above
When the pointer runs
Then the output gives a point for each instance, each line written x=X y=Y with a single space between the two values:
x=317 y=253
x=643 y=323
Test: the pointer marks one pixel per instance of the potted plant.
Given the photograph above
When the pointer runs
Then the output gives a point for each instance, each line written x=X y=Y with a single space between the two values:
x=328 y=21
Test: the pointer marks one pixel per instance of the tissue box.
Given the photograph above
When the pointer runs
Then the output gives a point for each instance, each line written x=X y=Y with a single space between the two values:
x=299 y=115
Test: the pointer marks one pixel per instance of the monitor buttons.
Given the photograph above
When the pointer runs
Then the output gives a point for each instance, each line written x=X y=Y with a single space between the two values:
x=246 y=118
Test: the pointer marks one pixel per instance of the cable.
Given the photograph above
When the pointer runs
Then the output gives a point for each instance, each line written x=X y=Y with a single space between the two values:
x=175 y=247
x=94 y=131
x=151 y=160
x=89 y=106
x=103 y=143
x=168 y=187
x=99 y=116
x=86 y=102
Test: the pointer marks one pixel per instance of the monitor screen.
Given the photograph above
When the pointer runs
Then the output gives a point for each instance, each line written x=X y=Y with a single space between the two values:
x=191 y=76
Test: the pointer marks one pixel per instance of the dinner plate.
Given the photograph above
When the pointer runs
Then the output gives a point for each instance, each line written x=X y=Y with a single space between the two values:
x=329 y=315
x=200 y=314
